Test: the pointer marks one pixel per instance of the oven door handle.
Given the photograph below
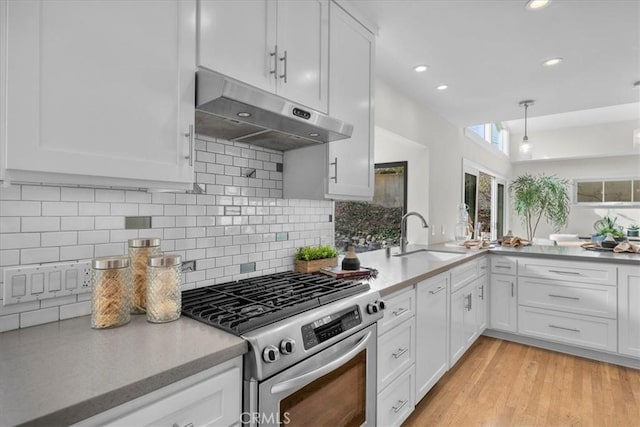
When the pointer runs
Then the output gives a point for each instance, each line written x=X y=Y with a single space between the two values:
x=317 y=373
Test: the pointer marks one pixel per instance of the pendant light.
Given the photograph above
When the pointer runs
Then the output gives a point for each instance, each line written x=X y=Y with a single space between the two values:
x=525 y=145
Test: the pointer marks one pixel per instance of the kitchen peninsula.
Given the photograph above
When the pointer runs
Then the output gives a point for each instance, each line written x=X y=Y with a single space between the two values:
x=98 y=370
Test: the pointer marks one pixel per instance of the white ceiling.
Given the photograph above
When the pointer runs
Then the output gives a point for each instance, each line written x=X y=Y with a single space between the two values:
x=490 y=53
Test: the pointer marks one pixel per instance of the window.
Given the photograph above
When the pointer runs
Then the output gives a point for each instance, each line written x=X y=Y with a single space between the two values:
x=492 y=133
x=484 y=194
x=369 y=225
x=615 y=191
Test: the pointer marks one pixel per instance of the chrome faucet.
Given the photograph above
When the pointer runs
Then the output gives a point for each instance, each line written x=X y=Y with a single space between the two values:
x=403 y=229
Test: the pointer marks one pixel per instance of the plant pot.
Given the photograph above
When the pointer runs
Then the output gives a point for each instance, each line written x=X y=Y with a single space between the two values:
x=633 y=233
x=315 y=265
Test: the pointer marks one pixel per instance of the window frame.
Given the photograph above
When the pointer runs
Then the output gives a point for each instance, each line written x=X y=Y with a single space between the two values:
x=602 y=181
x=470 y=167
x=405 y=165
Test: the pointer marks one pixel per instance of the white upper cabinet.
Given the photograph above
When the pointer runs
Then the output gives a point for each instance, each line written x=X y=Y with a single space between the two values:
x=236 y=38
x=341 y=170
x=99 y=92
x=278 y=46
x=351 y=99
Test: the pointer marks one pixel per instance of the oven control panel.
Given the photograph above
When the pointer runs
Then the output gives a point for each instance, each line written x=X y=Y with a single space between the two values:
x=330 y=326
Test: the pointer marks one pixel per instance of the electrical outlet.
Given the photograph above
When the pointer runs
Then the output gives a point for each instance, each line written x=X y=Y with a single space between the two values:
x=43 y=281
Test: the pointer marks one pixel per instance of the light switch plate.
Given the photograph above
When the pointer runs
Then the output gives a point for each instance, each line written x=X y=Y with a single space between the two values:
x=44 y=281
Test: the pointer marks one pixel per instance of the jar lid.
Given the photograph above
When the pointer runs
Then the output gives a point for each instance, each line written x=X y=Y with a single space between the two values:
x=144 y=242
x=165 y=260
x=110 y=262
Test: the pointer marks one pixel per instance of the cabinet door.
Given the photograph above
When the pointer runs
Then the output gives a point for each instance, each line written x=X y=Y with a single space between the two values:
x=463 y=321
x=100 y=89
x=504 y=306
x=302 y=34
x=482 y=292
x=629 y=310
x=432 y=353
x=351 y=51
x=237 y=38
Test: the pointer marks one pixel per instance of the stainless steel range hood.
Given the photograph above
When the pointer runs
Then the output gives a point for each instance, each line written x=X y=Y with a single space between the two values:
x=228 y=109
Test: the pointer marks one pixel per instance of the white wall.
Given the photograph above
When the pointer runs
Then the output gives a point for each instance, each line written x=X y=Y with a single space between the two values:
x=391 y=147
x=447 y=146
x=582 y=218
x=609 y=139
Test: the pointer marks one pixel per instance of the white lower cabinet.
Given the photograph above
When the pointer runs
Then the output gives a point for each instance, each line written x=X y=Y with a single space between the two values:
x=504 y=303
x=482 y=312
x=396 y=357
x=396 y=402
x=209 y=398
x=629 y=310
x=396 y=352
x=568 y=328
x=432 y=319
x=464 y=325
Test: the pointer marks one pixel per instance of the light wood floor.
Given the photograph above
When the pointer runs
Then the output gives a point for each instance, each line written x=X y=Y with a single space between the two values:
x=499 y=383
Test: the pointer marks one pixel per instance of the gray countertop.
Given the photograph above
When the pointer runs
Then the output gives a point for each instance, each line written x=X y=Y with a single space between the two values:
x=63 y=372
x=569 y=253
x=397 y=272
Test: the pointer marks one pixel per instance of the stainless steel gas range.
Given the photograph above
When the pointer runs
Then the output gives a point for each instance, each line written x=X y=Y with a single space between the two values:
x=312 y=357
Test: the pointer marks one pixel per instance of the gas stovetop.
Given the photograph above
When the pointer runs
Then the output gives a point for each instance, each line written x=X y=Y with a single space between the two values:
x=248 y=304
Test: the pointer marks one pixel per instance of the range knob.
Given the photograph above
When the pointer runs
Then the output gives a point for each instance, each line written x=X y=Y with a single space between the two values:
x=372 y=308
x=382 y=304
x=270 y=354
x=287 y=346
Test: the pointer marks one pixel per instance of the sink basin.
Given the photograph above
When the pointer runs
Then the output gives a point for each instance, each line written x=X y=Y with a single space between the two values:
x=433 y=255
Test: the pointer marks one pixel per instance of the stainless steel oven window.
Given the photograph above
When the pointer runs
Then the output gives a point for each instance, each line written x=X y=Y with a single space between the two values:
x=335 y=387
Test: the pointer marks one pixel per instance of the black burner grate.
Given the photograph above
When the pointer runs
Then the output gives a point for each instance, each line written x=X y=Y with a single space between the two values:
x=248 y=304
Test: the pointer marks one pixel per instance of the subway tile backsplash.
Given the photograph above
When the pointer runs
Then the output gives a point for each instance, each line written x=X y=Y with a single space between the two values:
x=241 y=227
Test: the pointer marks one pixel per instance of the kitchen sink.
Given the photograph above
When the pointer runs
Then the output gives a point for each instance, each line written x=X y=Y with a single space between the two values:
x=433 y=255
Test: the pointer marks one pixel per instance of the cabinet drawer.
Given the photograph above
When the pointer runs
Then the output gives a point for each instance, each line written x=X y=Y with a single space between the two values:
x=504 y=265
x=573 y=297
x=397 y=401
x=400 y=306
x=462 y=274
x=567 y=328
x=395 y=352
x=585 y=272
x=483 y=265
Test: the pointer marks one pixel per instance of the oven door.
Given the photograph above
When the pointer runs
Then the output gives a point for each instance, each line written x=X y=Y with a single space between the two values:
x=336 y=387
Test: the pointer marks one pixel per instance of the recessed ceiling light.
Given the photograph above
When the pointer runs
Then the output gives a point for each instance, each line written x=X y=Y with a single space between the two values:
x=314 y=134
x=537 y=4
x=243 y=114
x=442 y=87
x=551 y=62
x=421 y=68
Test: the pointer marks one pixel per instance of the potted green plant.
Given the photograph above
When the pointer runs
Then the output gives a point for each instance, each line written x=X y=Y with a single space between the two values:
x=540 y=196
x=608 y=226
x=310 y=259
x=633 y=230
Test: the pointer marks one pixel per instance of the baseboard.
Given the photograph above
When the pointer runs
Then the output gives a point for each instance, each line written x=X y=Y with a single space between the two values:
x=616 y=359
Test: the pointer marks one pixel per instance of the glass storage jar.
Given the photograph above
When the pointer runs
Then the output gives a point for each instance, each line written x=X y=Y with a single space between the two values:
x=164 y=300
x=111 y=292
x=139 y=252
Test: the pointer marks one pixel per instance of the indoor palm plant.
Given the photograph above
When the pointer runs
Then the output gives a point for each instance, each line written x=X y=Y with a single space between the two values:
x=312 y=258
x=540 y=196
